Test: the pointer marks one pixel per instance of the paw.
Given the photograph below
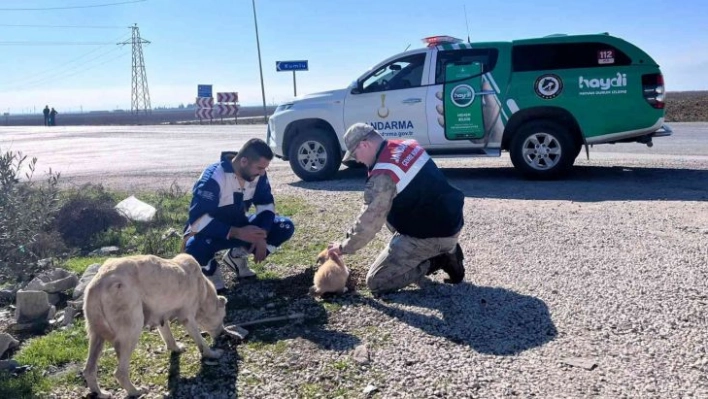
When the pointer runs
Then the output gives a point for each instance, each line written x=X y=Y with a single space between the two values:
x=103 y=395
x=213 y=353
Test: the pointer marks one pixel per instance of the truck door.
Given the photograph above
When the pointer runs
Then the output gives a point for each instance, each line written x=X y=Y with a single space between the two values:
x=392 y=99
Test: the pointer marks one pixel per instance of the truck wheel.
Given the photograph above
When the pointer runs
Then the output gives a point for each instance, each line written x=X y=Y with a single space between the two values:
x=314 y=155
x=543 y=150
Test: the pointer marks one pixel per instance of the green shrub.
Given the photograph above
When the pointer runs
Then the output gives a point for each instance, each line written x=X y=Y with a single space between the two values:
x=27 y=209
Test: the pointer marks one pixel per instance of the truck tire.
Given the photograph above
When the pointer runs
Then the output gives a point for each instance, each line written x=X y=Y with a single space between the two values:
x=314 y=155
x=543 y=150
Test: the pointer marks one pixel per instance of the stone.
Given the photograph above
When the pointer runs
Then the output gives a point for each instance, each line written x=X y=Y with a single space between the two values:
x=85 y=280
x=136 y=210
x=69 y=315
x=32 y=306
x=361 y=355
x=370 y=389
x=7 y=341
x=7 y=296
x=54 y=281
x=586 y=364
x=105 y=251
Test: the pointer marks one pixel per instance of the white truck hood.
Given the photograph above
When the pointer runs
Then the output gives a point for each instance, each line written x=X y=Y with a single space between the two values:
x=322 y=97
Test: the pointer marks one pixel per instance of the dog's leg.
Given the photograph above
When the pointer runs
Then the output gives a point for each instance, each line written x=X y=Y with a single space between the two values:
x=206 y=351
x=95 y=349
x=124 y=350
x=166 y=334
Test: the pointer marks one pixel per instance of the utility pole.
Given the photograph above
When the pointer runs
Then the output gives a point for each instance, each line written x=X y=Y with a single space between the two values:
x=140 y=98
x=260 y=66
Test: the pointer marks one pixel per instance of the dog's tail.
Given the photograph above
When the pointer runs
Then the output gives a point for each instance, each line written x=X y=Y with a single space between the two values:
x=97 y=295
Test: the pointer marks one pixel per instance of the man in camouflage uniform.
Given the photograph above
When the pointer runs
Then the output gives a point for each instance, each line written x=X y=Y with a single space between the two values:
x=407 y=190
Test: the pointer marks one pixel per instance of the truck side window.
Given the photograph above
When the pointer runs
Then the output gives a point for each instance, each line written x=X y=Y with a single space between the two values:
x=546 y=57
x=402 y=73
x=487 y=57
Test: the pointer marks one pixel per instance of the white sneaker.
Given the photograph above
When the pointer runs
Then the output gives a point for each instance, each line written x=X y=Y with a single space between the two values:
x=238 y=262
x=217 y=279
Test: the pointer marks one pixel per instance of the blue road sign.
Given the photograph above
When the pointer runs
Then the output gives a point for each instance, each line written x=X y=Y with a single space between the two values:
x=204 y=91
x=286 y=66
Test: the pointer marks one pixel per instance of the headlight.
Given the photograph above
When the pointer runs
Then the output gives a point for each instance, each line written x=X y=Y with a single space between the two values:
x=284 y=107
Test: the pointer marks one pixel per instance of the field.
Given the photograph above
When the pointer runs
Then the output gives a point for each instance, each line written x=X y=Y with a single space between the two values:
x=687 y=106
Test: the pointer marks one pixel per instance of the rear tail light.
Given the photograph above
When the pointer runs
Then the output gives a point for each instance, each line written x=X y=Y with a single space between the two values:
x=653 y=90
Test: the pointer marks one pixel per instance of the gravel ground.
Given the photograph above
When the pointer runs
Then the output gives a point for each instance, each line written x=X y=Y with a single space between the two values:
x=608 y=266
x=595 y=286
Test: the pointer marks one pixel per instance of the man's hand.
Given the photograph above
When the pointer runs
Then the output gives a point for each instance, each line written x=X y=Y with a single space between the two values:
x=248 y=233
x=334 y=248
x=259 y=250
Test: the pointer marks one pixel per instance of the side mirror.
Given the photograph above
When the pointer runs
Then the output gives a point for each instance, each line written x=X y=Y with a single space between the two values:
x=357 y=89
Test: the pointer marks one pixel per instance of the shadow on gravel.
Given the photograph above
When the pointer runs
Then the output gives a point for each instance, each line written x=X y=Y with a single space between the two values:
x=218 y=380
x=492 y=321
x=584 y=184
x=289 y=296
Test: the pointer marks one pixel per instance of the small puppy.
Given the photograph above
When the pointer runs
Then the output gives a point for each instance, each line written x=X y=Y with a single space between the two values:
x=331 y=276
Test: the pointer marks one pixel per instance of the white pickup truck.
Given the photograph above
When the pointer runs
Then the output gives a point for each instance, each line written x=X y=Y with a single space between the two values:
x=540 y=99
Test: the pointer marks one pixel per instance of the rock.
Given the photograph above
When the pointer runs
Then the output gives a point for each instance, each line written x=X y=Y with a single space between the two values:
x=85 y=280
x=7 y=341
x=9 y=365
x=136 y=210
x=32 y=327
x=236 y=332
x=105 y=251
x=361 y=355
x=53 y=299
x=32 y=306
x=370 y=389
x=69 y=315
x=43 y=263
x=54 y=281
x=7 y=296
x=586 y=364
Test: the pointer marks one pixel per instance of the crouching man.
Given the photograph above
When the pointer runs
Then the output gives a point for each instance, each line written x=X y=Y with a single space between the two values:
x=218 y=216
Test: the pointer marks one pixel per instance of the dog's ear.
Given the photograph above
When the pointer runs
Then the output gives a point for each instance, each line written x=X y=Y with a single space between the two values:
x=322 y=257
x=222 y=301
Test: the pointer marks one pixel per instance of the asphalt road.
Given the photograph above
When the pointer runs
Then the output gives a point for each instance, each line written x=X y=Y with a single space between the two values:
x=156 y=155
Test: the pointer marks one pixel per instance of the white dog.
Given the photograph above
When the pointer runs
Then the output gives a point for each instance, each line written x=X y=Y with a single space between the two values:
x=132 y=292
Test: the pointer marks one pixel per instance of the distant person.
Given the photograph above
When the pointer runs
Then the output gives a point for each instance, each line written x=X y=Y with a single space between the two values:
x=53 y=117
x=46 y=115
x=218 y=219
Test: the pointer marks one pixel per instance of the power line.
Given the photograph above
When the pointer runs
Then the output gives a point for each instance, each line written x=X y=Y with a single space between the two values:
x=54 y=43
x=61 y=26
x=61 y=68
x=60 y=73
x=46 y=82
x=72 y=7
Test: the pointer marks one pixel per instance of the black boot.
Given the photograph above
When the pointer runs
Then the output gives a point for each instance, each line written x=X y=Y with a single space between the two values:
x=437 y=263
x=454 y=266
